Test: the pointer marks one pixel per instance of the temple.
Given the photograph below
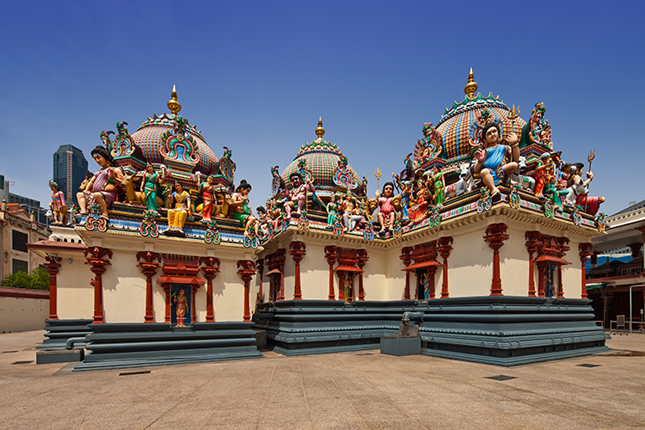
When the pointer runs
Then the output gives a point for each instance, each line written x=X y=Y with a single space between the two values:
x=484 y=233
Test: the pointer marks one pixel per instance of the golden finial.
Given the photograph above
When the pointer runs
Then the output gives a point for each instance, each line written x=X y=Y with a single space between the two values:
x=320 y=131
x=173 y=104
x=471 y=86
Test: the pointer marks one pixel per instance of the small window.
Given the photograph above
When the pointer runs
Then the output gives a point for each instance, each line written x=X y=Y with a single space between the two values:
x=19 y=241
x=19 y=266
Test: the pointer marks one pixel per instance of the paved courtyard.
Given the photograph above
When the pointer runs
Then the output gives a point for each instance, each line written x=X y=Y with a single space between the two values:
x=354 y=390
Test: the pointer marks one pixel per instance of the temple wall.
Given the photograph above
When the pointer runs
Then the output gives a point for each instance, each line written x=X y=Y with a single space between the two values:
x=228 y=294
x=470 y=265
x=124 y=289
x=23 y=313
x=75 y=295
x=314 y=274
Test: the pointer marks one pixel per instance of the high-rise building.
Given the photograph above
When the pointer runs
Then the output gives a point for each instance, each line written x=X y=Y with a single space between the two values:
x=70 y=167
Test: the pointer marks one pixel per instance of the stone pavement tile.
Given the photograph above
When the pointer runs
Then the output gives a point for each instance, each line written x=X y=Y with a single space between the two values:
x=546 y=421
x=180 y=417
x=285 y=425
x=286 y=413
x=513 y=407
x=344 y=424
x=402 y=423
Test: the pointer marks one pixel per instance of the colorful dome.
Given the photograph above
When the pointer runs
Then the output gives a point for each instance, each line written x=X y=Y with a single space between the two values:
x=456 y=125
x=148 y=136
x=322 y=158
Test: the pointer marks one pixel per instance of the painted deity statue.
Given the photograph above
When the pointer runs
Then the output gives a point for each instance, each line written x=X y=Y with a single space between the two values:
x=149 y=188
x=207 y=190
x=436 y=177
x=406 y=192
x=297 y=195
x=386 y=210
x=579 y=190
x=332 y=211
x=57 y=205
x=544 y=173
x=179 y=202
x=419 y=202
x=181 y=302
x=491 y=162
x=351 y=215
x=240 y=210
x=102 y=187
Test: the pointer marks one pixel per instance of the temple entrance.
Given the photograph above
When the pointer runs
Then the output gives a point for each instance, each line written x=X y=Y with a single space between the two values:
x=549 y=281
x=274 y=286
x=423 y=285
x=180 y=311
x=348 y=287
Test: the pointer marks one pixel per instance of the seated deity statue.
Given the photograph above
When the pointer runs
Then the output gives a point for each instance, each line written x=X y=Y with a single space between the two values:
x=492 y=162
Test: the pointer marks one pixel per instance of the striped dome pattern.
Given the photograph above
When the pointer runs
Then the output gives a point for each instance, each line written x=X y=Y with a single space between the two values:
x=322 y=163
x=455 y=124
x=148 y=136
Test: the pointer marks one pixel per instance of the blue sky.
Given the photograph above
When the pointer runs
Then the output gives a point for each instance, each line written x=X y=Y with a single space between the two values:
x=255 y=76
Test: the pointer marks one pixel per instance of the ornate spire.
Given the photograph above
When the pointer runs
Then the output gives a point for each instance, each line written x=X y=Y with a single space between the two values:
x=471 y=86
x=320 y=131
x=173 y=104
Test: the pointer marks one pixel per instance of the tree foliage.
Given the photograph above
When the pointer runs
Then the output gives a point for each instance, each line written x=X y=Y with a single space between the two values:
x=38 y=279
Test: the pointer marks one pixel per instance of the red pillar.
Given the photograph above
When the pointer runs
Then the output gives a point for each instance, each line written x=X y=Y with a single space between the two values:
x=541 y=268
x=52 y=266
x=563 y=247
x=193 y=313
x=260 y=265
x=166 y=288
x=585 y=251
x=94 y=256
x=209 y=269
x=362 y=259
x=533 y=240
x=246 y=272
x=431 y=272
x=331 y=254
x=495 y=236
x=298 y=250
x=444 y=249
x=407 y=259
x=149 y=269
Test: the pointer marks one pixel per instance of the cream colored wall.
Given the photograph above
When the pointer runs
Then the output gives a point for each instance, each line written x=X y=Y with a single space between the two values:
x=470 y=265
x=572 y=273
x=228 y=293
x=22 y=314
x=314 y=274
x=124 y=289
x=75 y=295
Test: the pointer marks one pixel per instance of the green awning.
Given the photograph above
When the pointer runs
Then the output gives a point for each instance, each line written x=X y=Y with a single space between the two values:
x=591 y=287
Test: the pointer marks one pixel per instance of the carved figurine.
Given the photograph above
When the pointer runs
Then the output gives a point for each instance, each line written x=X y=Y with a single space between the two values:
x=351 y=215
x=297 y=195
x=149 y=188
x=544 y=173
x=386 y=210
x=240 y=210
x=57 y=205
x=102 y=188
x=179 y=201
x=465 y=184
x=181 y=302
x=491 y=161
x=435 y=176
x=332 y=211
x=418 y=209
x=208 y=196
x=579 y=190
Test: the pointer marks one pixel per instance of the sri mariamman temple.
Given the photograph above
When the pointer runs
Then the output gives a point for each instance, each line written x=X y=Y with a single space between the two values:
x=480 y=239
